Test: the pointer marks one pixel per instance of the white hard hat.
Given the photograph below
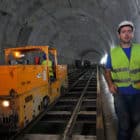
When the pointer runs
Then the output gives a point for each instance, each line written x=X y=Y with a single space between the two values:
x=125 y=23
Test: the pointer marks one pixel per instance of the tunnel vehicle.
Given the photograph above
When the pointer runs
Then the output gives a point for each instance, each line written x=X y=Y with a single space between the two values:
x=86 y=63
x=25 y=86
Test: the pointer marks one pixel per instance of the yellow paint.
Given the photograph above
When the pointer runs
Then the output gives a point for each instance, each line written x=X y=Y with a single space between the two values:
x=25 y=86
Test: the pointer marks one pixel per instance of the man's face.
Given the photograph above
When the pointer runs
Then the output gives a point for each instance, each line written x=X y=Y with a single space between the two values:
x=126 y=34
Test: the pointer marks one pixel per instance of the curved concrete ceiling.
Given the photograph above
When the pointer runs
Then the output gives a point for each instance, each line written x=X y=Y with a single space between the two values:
x=79 y=29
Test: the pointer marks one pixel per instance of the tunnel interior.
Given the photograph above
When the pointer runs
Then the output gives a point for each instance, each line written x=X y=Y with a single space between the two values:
x=84 y=30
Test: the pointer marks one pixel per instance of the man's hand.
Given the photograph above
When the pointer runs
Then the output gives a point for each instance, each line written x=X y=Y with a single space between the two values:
x=112 y=88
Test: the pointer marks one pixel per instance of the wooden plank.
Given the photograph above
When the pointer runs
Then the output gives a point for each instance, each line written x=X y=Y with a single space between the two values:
x=83 y=137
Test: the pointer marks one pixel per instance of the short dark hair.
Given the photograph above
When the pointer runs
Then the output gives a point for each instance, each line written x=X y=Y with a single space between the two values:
x=119 y=30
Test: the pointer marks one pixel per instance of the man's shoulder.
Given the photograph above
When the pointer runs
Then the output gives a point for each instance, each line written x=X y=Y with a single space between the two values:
x=136 y=44
x=136 y=47
x=116 y=48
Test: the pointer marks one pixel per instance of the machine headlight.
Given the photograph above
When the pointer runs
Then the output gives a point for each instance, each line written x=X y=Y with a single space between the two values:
x=5 y=103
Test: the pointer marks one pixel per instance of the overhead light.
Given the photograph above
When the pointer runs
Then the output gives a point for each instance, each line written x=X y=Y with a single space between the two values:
x=103 y=59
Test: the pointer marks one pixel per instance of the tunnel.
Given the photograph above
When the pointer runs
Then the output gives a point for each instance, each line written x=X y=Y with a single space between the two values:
x=78 y=29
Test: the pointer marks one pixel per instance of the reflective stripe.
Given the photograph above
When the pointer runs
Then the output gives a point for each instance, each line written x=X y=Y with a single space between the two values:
x=136 y=81
x=134 y=71
x=126 y=80
x=122 y=80
x=120 y=70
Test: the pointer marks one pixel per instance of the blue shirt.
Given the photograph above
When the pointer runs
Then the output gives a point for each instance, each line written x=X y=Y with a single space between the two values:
x=123 y=90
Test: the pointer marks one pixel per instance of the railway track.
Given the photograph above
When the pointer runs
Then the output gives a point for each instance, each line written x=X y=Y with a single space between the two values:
x=77 y=115
x=74 y=76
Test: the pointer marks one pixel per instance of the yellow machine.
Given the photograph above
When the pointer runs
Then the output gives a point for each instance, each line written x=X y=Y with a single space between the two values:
x=25 y=85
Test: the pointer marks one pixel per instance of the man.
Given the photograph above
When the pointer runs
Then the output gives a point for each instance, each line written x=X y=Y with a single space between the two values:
x=123 y=77
x=50 y=66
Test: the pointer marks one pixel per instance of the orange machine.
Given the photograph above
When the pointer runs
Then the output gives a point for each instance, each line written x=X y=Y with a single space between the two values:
x=25 y=85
